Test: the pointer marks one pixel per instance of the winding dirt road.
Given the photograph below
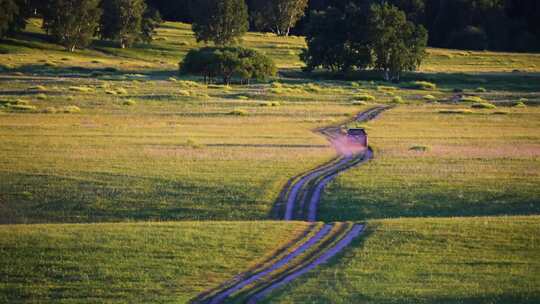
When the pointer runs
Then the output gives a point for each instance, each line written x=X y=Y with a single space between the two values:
x=299 y=201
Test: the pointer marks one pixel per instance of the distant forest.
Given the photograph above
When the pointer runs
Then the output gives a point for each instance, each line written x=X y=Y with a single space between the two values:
x=503 y=25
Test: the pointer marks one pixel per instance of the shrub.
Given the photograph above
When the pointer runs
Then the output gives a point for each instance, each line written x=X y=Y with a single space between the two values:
x=359 y=103
x=38 y=88
x=242 y=97
x=500 y=113
x=121 y=91
x=364 y=97
x=110 y=92
x=228 y=63
x=21 y=108
x=422 y=85
x=239 y=112
x=70 y=109
x=483 y=105
x=480 y=90
x=397 y=99
x=386 y=88
x=81 y=89
x=430 y=98
x=476 y=99
x=50 y=110
x=184 y=93
x=41 y=96
x=519 y=104
x=129 y=102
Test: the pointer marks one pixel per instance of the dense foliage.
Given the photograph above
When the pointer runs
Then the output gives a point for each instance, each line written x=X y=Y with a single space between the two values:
x=512 y=25
x=228 y=63
x=277 y=16
x=358 y=37
x=122 y=21
x=220 y=21
x=72 y=23
x=396 y=44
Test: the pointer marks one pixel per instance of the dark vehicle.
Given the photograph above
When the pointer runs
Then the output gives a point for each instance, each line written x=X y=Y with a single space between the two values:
x=359 y=135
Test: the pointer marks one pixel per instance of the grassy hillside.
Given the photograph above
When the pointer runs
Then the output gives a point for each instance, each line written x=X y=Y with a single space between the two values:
x=130 y=263
x=31 y=51
x=430 y=163
x=475 y=260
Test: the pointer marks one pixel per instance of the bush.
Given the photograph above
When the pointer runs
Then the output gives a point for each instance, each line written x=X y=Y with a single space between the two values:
x=21 y=107
x=422 y=85
x=239 y=112
x=129 y=102
x=475 y=99
x=81 y=89
x=41 y=97
x=70 y=109
x=430 y=98
x=38 y=88
x=364 y=97
x=397 y=99
x=481 y=90
x=519 y=104
x=270 y=104
x=359 y=103
x=228 y=63
x=483 y=105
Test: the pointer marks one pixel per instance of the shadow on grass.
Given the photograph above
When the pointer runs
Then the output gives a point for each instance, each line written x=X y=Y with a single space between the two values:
x=519 y=81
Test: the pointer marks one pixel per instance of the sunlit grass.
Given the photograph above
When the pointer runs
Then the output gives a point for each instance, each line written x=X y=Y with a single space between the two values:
x=467 y=260
x=131 y=263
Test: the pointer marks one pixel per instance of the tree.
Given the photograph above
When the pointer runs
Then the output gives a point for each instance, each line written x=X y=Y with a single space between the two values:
x=227 y=63
x=220 y=21
x=337 y=40
x=122 y=21
x=151 y=20
x=397 y=44
x=278 y=16
x=8 y=12
x=72 y=23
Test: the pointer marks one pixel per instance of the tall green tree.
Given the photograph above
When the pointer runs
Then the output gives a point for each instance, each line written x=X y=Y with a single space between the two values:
x=122 y=21
x=151 y=20
x=8 y=12
x=397 y=44
x=220 y=21
x=337 y=39
x=278 y=16
x=72 y=23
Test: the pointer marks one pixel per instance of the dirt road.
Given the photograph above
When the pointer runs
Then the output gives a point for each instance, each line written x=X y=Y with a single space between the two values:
x=300 y=200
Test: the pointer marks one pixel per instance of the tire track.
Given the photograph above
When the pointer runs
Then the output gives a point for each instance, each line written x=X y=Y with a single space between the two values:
x=301 y=197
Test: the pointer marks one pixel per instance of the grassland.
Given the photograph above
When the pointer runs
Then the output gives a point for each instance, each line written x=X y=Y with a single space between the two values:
x=111 y=135
x=462 y=260
x=471 y=164
x=131 y=262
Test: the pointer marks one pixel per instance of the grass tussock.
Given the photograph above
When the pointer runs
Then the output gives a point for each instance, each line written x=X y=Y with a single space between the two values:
x=483 y=105
x=364 y=97
x=239 y=112
x=419 y=148
x=81 y=89
x=456 y=111
x=270 y=104
x=422 y=85
x=473 y=99
x=397 y=100
x=429 y=98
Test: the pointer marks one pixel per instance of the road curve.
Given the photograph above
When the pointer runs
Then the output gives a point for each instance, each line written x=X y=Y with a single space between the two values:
x=301 y=197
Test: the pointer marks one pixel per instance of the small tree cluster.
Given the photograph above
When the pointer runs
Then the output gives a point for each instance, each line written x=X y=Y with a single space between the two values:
x=74 y=23
x=13 y=15
x=220 y=21
x=360 y=37
x=278 y=16
x=228 y=63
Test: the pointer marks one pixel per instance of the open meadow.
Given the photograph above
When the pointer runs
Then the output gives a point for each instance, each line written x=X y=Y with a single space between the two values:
x=122 y=182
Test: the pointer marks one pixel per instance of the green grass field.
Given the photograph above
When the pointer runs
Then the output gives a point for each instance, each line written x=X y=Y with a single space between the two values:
x=468 y=165
x=105 y=135
x=456 y=260
x=131 y=262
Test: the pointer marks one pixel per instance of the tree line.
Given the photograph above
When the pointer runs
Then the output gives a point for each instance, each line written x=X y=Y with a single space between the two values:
x=74 y=23
x=506 y=25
